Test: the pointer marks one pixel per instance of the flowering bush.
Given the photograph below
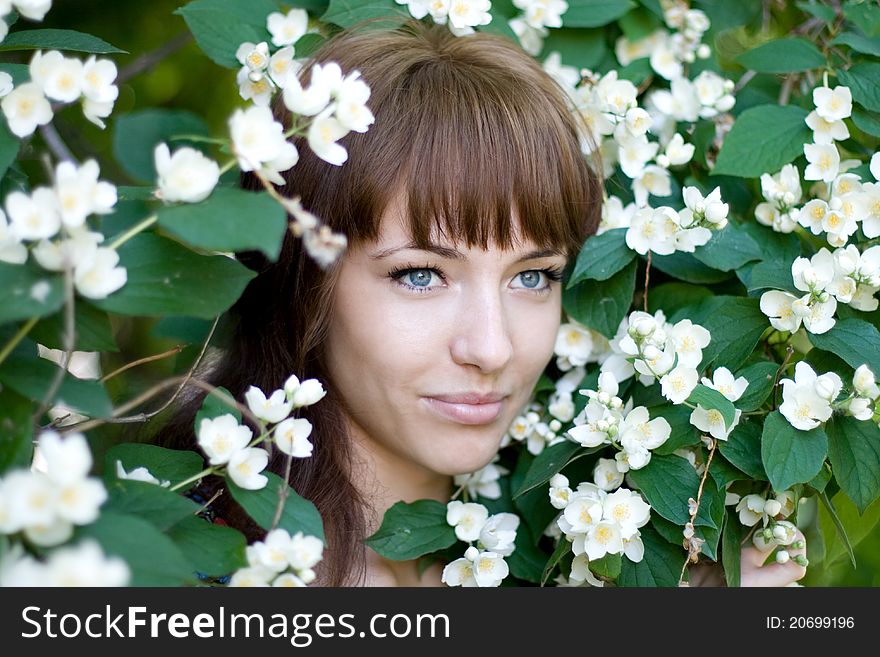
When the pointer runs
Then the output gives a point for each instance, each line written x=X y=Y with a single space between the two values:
x=715 y=376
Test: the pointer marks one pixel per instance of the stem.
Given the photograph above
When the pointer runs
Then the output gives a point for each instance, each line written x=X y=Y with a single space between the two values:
x=148 y=60
x=195 y=477
x=56 y=143
x=697 y=506
x=282 y=493
x=134 y=230
x=142 y=361
x=18 y=337
x=788 y=353
x=69 y=342
x=226 y=167
x=647 y=278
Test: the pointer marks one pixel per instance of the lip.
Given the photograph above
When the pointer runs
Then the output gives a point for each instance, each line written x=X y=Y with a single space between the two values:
x=468 y=408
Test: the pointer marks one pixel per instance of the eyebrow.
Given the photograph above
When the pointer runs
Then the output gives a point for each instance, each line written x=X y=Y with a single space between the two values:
x=454 y=254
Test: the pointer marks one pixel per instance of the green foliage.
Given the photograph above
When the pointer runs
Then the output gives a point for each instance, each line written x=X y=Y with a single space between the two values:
x=854 y=449
x=220 y=26
x=760 y=377
x=659 y=567
x=164 y=464
x=28 y=291
x=783 y=56
x=861 y=79
x=854 y=340
x=297 y=514
x=595 y=13
x=211 y=549
x=791 y=456
x=411 y=530
x=729 y=249
x=710 y=398
x=91 y=327
x=667 y=482
x=601 y=257
x=743 y=448
x=346 y=13
x=762 y=140
x=602 y=304
x=155 y=504
x=16 y=431
x=48 y=39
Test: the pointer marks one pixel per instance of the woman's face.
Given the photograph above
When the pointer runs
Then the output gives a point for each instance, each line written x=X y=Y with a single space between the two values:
x=435 y=352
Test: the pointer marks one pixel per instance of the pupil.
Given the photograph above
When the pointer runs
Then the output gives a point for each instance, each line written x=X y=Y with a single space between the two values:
x=530 y=278
x=420 y=277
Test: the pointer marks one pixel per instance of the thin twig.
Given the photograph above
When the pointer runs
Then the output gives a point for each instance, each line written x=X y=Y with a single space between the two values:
x=143 y=361
x=788 y=354
x=785 y=91
x=69 y=342
x=282 y=493
x=149 y=59
x=647 y=278
x=744 y=80
x=18 y=337
x=697 y=505
x=56 y=144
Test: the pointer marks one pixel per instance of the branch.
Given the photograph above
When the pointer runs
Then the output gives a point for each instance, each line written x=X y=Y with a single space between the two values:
x=150 y=59
x=56 y=144
x=69 y=342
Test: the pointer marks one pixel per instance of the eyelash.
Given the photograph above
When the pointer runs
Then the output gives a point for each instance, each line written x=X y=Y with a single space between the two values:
x=553 y=274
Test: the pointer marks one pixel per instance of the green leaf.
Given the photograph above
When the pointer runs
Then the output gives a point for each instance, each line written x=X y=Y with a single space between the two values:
x=731 y=549
x=686 y=267
x=215 y=406
x=601 y=305
x=135 y=136
x=854 y=449
x=867 y=122
x=859 y=43
x=853 y=527
x=864 y=14
x=229 y=220
x=411 y=530
x=607 y=566
x=667 y=482
x=577 y=47
x=713 y=501
x=791 y=456
x=164 y=464
x=49 y=39
x=683 y=433
x=27 y=291
x=602 y=256
x=595 y=13
x=527 y=561
x=767 y=274
x=9 y=144
x=16 y=431
x=220 y=26
x=736 y=325
x=152 y=503
x=729 y=248
x=661 y=565
x=820 y=481
x=212 y=550
x=549 y=462
x=818 y=10
x=710 y=398
x=862 y=81
x=723 y=472
x=562 y=549
x=762 y=140
x=91 y=326
x=165 y=278
x=671 y=297
x=760 y=377
x=154 y=560
x=743 y=448
x=854 y=340
x=31 y=377
x=346 y=13
x=498 y=25
x=783 y=56
x=298 y=514
x=831 y=513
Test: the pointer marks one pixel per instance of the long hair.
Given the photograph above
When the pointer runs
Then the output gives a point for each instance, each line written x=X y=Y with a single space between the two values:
x=467 y=129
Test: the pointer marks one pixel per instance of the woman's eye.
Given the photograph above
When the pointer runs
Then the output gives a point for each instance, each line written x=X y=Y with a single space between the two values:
x=419 y=277
x=532 y=280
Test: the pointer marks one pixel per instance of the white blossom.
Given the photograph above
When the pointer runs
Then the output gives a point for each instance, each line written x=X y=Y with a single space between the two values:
x=221 y=437
x=723 y=381
x=833 y=104
x=806 y=400
x=270 y=409
x=99 y=276
x=26 y=108
x=186 y=176
x=33 y=217
x=467 y=519
x=80 y=193
x=678 y=384
x=292 y=437
x=499 y=533
x=287 y=29
x=824 y=162
x=259 y=144
x=245 y=466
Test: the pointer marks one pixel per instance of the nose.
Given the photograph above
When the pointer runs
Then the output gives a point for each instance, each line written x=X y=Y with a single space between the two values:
x=481 y=335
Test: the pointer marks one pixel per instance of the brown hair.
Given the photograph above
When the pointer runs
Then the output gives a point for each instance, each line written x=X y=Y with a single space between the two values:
x=469 y=127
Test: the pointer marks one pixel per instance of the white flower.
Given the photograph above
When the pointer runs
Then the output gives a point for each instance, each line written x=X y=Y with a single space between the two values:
x=61 y=78
x=85 y=565
x=606 y=475
x=288 y=580
x=653 y=230
x=258 y=90
x=272 y=552
x=80 y=193
x=57 y=532
x=818 y=316
x=638 y=429
x=464 y=15
x=690 y=340
x=314 y=99
x=574 y=343
x=304 y=551
x=824 y=162
x=255 y=56
x=653 y=180
x=34 y=10
x=833 y=104
x=785 y=186
x=778 y=307
x=99 y=276
x=221 y=437
x=323 y=245
x=33 y=217
x=709 y=208
x=678 y=384
x=31 y=499
x=67 y=459
x=531 y=39
x=351 y=109
x=826 y=132
x=627 y=509
x=489 y=567
x=722 y=380
x=604 y=538
x=6 y=84
x=324 y=133
x=286 y=29
x=467 y=519
x=78 y=502
x=259 y=144
x=459 y=572
x=864 y=382
x=664 y=62
x=252 y=576
x=272 y=409
x=713 y=92
x=245 y=466
x=186 y=176
x=139 y=474
x=634 y=153
x=677 y=152
x=815 y=273
x=542 y=13
x=11 y=248
x=78 y=249
x=751 y=509
x=25 y=108
x=292 y=437
x=282 y=65
x=712 y=422
x=499 y=533
x=483 y=482
x=806 y=399
x=307 y=393
x=582 y=513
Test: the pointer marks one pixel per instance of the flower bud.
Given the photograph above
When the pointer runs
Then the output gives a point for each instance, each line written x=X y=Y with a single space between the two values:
x=779 y=533
x=644 y=326
x=616 y=403
x=824 y=387
x=801 y=560
x=471 y=553
x=835 y=203
x=772 y=508
x=604 y=398
x=555 y=425
x=798 y=545
x=788 y=198
x=532 y=417
x=782 y=556
x=651 y=352
x=784 y=532
x=291 y=385
x=863 y=380
x=602 y=425
x=704 y=51
x=860 y=408
x=559 y=481
x=309 y=392
x=663 y=160
x=824 y=297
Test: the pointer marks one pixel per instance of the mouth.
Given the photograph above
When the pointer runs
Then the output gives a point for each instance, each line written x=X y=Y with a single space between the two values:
x=467 y=412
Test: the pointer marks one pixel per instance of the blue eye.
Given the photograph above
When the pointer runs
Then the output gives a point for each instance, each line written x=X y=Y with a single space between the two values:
x=531 y=279
x=419 y=277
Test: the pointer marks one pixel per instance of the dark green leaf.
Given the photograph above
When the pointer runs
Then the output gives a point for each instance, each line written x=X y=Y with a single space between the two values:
x=820 y=481
x=731 y=549
x=298 y=514
x=862 y=81
x=713 y=503
x=411 y=530
x=214 y=406
x=527 y=561
x=736 y=325
x=135 y=136
x=91 y=326
x=346 y=13
x=164 y=464
x=710 y=398
x=661 y=565
x=723 y=472
x=607 y=566
x=165 y=278
x=667 y=482
x=854 y=340
x=760 y=377
x=602 y=256
x=854 y=449
x=32 y=377
x=791 y=456
x=8 y=148
x=213 y=550
x=686 y=267
x=220 y=26
x=818 y=9
x=859 y=43
x=153 y=558
x=577 y=47
x=767 y=274
x=16 y=431
x=841 y=530
x=867 y=122
x=683 y=433
x=50 y=39
x=229 y=220
x=595 y=13
x=546 y=464
x=762 y=140
x=783 y=56
x=729 y=248
x=152 y=503
x=743 y=448
x=562 y=549
x=27 y=291
x=671 y=297
x=864 y=14
x=601 y=305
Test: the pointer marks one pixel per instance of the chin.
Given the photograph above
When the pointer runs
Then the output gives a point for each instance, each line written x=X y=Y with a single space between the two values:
x=466 y=460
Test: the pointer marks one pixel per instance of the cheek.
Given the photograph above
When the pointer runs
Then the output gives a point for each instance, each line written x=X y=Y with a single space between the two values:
x=534 y=336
